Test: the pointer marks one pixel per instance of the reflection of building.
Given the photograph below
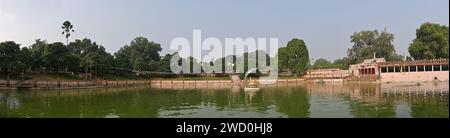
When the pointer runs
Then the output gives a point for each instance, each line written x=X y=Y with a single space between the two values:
x=400 y=71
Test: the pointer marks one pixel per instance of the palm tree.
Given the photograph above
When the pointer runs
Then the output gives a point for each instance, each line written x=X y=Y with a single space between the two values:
x=67 y=28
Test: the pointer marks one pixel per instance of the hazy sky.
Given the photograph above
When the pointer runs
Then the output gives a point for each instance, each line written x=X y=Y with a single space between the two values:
x=325 y=25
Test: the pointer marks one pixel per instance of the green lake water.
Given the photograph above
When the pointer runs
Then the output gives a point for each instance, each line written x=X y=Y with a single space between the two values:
x=302 y=101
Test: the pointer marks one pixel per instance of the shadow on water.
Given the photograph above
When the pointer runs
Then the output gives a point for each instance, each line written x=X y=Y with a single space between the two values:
x=304 y=100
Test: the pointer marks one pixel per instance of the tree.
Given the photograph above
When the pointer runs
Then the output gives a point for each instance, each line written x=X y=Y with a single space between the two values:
x=67 y=29
x=342 y=63
x=140 y=54
x=37 y=51
x=139 y=63
x=71 y=63
x=11 y=57
x=294 y=57
x=164 y=64
x=122 y=58
x=431 y=42
x=322 y=63
x=92 y=55
x=365 y=43
x=55 y=56
x=283 y=59
x=25 y=59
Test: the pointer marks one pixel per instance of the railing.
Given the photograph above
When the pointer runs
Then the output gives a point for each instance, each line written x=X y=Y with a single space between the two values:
x=327 y=76
x=5 y=84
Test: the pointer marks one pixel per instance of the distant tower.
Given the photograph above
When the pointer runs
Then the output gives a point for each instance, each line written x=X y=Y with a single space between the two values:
x=374 y=55
x=385 y=29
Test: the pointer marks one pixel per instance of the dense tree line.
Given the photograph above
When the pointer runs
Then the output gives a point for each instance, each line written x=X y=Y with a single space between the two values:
x=55 y=57
x=86 y=56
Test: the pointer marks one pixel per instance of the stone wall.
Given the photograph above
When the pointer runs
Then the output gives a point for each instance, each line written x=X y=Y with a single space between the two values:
x=414 y=76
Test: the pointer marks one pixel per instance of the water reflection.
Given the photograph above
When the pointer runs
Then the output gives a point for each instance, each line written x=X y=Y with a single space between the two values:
x=304 y=100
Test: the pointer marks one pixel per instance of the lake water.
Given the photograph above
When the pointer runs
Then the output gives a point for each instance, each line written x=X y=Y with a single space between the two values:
x=300 y=101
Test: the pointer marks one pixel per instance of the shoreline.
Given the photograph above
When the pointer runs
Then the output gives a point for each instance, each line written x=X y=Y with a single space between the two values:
x=71 y=84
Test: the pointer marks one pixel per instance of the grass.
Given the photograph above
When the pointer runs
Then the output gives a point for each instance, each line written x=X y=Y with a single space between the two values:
x=118 y=77
x=194 y=78
x=69 y=76
x=53 y=76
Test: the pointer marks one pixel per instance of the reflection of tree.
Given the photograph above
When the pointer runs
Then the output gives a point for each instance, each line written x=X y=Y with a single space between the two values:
x=226 y=99
x=371 y=110
x=3 y=106
x=258 y=100
x=366 y=103
x=129 y=102
x=429 y=106
x=294 y=102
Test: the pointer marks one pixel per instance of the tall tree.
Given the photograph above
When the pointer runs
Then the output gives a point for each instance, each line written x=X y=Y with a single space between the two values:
x=365 y=43
x=294 y=57
x=431 y=42
x=67 y=29
x=25 y=59
x=92 y=56
x=140 y=54
x=37 y=51
x=11 y=57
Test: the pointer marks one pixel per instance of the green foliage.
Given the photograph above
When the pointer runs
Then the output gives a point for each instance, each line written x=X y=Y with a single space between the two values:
x=294 y=58
x=37 y=52
x=25 y=58
x=92 y=56
x=164 y=64
x=365 y=43
x=12 y=58
x=58 y=57
x=139 y=63
x=53 y=76
x=138 y=54
x=342 y=63
x=122 y=58
x=431 y=42
x=322 y=63
x=67 y=28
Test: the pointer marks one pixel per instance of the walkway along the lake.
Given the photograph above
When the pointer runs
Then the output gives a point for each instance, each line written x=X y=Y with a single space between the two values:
x=74 y=84
x=174 y=84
